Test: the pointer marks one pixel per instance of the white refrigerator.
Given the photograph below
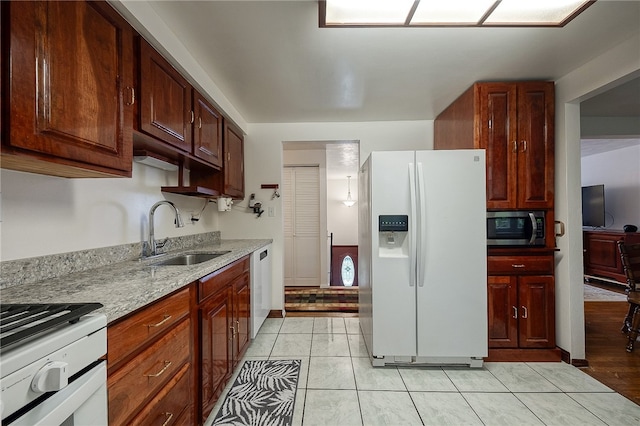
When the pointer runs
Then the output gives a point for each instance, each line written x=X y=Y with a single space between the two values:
x=422 y=250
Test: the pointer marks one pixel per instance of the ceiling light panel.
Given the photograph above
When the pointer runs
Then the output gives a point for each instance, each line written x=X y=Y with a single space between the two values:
x=463 y=12
x=396 y=13
x=533 y=12
x=354 y=12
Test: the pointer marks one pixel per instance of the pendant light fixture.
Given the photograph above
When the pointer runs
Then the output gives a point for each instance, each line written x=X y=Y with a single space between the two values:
x=349 y=201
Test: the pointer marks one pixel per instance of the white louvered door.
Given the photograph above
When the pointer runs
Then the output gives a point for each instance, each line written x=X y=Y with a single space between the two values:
x=301 y=206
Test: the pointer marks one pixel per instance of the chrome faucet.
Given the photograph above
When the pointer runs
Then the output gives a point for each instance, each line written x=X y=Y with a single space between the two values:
x=154 y=245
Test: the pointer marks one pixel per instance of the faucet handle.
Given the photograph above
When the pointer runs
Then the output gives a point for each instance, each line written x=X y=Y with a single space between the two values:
x=161 y=243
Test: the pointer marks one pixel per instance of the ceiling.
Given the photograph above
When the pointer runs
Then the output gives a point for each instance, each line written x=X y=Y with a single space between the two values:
x=274 y=63
x=343 y=157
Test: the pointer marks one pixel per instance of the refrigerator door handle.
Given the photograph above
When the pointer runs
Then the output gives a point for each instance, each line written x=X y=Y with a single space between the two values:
x=421 y=254
x=412 y=226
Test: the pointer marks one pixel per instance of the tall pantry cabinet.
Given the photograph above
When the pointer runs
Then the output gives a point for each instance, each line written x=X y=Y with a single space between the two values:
x=514 y=123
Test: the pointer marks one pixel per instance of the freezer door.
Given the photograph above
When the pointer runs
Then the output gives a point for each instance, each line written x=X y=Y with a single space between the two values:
x=393 y=283
x=452 y=271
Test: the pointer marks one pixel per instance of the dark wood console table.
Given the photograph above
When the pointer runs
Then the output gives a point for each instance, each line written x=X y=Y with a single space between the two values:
x=601 y=256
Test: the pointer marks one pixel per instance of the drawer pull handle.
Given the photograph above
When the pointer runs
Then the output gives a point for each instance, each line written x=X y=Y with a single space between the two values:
x=233 y=330
x=524 y=312
x=515 y=312
x=164 y=319
x=168 y=416
x=517 y=265
x=167 y=364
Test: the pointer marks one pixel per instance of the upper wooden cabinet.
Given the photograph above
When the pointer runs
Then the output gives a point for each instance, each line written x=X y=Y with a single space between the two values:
x=172 y=111
x=67 y=85
x=233 y=162
x=230 y=182
x=165 y=100
x=207 y=134
x=514 y=122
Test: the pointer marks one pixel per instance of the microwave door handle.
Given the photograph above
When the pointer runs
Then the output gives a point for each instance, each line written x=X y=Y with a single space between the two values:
x=534 y=228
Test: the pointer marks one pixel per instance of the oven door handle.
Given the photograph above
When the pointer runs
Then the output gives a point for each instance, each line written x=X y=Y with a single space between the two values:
x=64 y=403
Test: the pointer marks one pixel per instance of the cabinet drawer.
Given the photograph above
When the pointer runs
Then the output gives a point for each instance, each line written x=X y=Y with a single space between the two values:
x=145 y=374
x=171 y=401
x=216 y=281
x=520 y=264
x=126 y=336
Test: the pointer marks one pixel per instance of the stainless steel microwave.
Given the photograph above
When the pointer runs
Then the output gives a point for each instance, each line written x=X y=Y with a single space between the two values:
x=515 y=228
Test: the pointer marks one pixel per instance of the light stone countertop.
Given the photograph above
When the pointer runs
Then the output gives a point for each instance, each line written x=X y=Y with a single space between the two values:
x=127 y=286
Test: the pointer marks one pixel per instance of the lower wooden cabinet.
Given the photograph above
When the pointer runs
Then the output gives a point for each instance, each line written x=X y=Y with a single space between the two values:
x=150 y=375
x=168 y=408
x=215 y=317
x=241 y=315
x=169 y=362
x=224 y=316
x=521 y=311
x=521 y=308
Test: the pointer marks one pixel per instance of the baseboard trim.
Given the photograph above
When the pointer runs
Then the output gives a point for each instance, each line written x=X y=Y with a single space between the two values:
x=580 y=363
x=524 y=355
x=276 y=313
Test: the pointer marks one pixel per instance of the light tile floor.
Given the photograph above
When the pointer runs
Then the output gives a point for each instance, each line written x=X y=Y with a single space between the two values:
x=338 y=385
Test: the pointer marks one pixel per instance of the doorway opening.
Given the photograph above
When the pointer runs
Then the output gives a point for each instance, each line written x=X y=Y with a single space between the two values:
x=610 y=157
x=320 y=275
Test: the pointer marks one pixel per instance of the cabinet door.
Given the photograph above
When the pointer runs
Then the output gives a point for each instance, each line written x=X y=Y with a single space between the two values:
x=241 y=315
x=498 y=134
x=70 y=89
x=165 y=100
x=536 y=297
x=535 y=145
x=215 y=349
x=233 y=162
x=207 y=131
x=503 y=314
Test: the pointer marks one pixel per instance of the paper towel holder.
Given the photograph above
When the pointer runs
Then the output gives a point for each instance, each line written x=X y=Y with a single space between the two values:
x=224 y=204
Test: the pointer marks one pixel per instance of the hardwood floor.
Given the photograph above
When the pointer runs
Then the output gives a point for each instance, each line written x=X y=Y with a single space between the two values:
x=605 y=349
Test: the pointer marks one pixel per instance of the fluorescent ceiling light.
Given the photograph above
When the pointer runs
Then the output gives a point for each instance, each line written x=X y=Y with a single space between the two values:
x=451 y=11
x=532 y=12
x=398 y=13
x=368 y=11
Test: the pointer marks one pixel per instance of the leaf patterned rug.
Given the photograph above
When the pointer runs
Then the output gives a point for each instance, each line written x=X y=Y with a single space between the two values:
x=263 y=393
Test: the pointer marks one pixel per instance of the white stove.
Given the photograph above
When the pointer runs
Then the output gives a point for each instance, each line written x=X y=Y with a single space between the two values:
x=50 y=365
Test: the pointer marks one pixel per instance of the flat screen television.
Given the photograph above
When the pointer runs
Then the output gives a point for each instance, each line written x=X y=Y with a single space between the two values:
x=593 y=206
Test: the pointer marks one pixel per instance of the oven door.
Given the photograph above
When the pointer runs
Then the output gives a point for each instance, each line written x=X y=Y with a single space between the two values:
x=82 y=402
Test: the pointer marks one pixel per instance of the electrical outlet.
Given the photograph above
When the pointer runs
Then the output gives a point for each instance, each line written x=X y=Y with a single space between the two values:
x=272 y=211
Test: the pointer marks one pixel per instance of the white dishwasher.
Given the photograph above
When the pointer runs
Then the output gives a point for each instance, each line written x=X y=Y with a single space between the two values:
x=260 y=288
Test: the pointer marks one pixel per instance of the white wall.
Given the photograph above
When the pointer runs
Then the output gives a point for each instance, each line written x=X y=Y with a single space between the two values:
x=44 y=215
x=614 y=67
x=619 y=171
x=264 y=160
x=342 y=220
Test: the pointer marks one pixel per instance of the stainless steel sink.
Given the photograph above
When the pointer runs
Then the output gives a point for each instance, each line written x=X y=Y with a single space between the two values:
x=190 y=258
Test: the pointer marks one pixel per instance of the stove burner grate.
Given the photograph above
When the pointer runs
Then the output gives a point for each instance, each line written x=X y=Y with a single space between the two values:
x=22 y=321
